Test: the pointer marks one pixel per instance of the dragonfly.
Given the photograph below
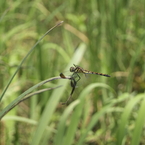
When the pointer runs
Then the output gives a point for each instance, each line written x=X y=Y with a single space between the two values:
x=77 y=69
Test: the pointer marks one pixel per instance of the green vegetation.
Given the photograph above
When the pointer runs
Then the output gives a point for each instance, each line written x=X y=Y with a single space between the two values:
x=102 y=36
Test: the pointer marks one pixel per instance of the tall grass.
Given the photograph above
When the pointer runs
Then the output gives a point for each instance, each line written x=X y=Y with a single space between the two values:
x=102 y=36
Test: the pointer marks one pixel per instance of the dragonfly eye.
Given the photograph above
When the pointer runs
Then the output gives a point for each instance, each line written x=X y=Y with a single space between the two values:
x=72 y=69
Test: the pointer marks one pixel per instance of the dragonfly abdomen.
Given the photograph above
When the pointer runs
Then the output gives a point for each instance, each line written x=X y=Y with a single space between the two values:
x=102 y=74
x=89 y=72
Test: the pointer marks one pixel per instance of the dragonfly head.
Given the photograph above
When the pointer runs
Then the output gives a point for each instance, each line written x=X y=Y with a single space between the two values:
x=72 y=69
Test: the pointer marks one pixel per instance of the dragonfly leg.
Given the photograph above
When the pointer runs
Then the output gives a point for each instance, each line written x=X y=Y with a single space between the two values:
x=75 y=75
x=65 y=103
x=73 y=85
x=78 y=78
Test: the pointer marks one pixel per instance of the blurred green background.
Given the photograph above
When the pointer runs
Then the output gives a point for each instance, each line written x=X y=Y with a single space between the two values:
x=102 y=36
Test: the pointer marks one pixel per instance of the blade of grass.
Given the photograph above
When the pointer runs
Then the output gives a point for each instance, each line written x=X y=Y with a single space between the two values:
x=59 y=49
x=68 y=138
x=140 y=122
x=61 y=127
x=9 y=82
x=97 y=115
x=19 y=98
x=124 y=119
x=54 y=99
x=26 y=120
x=4 y=13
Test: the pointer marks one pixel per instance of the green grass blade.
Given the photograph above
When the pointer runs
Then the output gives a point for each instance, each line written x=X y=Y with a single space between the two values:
x=54 y=99
x=69 y=136
x=93 y=121
x=61 y=128
x=77 y=114
x=97 y=115
x=19 y=98
x=124 y=119
x=140 y=122
x=9 y=82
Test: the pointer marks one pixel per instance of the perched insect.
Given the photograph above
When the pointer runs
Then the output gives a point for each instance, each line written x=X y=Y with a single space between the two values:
x=77 y=69
x=75 y=77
